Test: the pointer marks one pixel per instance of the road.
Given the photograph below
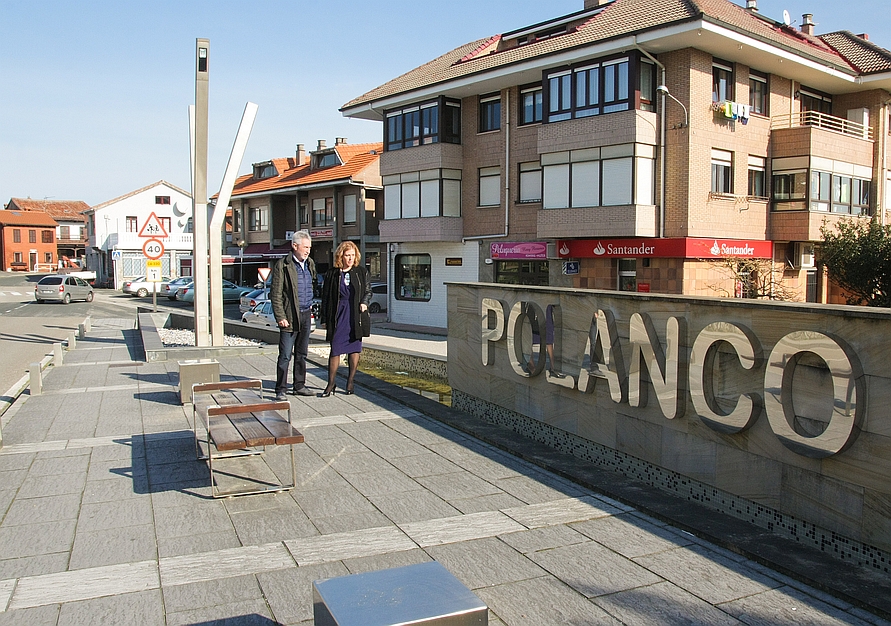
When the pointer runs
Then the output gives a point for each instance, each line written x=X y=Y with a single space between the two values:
x=28 y=330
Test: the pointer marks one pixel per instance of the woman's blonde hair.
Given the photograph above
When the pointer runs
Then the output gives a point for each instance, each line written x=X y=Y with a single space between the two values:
x=338 y=255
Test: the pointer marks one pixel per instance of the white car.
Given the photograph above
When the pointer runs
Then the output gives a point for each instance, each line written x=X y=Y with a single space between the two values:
x=378 y=297
x=141 y=287
x=262 y=315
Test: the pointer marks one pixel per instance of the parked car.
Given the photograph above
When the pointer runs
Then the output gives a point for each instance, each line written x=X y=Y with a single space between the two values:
x=378 y=297
x=63 y=288
x=231 y=292
x=252 y=299
x=262 y=315
x=171 y=287
x=141 y=287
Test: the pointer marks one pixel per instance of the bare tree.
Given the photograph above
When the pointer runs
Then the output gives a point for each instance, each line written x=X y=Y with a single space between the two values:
x=760 y=279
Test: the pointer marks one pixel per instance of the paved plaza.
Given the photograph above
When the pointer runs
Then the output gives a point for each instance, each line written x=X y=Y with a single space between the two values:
x=106 y=516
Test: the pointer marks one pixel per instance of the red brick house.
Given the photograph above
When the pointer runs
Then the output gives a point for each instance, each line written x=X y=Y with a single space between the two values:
x=71 y=231
x=27 y=241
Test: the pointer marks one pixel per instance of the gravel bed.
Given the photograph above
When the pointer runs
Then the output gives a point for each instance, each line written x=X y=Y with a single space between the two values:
x=179 y=338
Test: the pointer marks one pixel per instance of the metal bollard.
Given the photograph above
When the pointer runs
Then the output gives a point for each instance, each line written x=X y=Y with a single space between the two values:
x=36 y=379
x=72 y=341
x=57 y=354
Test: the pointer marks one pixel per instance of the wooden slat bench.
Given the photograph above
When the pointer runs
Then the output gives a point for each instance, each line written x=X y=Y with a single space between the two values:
x=237 y=421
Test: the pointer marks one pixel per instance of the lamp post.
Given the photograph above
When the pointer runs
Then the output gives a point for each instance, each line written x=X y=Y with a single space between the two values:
x=242 y=244
x=664 y=91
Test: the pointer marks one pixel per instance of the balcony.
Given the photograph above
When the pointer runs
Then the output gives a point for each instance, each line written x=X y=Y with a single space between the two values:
x=824 y=121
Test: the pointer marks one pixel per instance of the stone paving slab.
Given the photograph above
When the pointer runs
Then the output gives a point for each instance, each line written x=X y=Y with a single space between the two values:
x=106 y=516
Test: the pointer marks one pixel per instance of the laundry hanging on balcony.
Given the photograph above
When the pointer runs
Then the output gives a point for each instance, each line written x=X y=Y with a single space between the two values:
x=735 y=111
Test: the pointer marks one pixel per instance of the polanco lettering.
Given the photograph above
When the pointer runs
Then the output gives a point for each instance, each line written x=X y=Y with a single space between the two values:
x=668 y=368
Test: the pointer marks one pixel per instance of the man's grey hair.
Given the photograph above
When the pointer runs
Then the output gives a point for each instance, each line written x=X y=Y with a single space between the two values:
x=302 y=234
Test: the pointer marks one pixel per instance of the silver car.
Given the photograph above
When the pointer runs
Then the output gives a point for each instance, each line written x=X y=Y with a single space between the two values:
x=141 y=287
x=262 y=315
x=63 y=288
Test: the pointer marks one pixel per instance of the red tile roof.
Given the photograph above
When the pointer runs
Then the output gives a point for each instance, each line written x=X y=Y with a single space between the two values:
x=617 y=19
x=26 y=218
x=64 y=210
x=356 y=158
x=867 y=57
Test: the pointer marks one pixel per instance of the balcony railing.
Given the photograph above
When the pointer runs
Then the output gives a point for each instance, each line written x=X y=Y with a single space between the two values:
x=822 y=120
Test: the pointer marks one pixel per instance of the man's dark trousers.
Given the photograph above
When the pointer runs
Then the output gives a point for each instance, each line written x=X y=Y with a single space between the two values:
x=298 y=343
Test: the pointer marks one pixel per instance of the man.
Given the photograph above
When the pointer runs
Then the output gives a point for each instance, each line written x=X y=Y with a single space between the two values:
x=291 y=296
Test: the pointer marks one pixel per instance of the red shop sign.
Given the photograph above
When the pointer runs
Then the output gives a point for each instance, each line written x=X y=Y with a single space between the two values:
x=681 y=247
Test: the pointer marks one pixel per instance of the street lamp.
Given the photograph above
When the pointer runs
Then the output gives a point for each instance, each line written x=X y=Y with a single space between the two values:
x=242 y=244
x=664 y=91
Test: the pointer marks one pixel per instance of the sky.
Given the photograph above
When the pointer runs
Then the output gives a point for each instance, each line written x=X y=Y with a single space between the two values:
x=95 y=95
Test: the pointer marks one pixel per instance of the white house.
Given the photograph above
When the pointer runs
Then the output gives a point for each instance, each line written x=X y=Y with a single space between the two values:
x=117 y=232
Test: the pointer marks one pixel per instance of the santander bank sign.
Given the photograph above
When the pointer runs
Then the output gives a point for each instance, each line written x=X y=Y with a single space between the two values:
x=680 y=247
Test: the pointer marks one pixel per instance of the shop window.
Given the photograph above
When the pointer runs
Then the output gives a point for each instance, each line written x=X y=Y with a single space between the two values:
x=627 y=274
x=522 y=273
x=412 y=273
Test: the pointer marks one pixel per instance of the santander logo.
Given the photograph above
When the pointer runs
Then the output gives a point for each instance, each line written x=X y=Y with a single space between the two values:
x=715 y=249
x=564 y=249
x=599 y=249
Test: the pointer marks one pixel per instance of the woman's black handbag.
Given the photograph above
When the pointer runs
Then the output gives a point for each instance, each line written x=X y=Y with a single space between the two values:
x=365 y=323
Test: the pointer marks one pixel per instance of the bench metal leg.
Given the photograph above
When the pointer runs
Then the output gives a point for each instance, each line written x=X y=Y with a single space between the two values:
x=216 y=493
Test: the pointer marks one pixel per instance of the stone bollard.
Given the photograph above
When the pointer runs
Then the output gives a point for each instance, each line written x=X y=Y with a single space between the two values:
x=81 y=331
x=72 y=341
x=36 y=379
x=88 y=325
x=58 y=355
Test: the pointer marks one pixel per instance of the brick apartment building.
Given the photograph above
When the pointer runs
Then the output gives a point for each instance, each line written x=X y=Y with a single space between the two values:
x=333 y=192
x=27 y=241
x=628 y=146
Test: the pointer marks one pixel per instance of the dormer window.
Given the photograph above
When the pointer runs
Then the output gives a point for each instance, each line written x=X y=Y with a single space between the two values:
x=264 y=170
x=327 y=160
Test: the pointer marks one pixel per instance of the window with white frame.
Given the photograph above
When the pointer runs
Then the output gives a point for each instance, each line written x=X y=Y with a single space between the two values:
x=130 y=224
x=258 y=218
x=322 y=212
x=490 y=113
x=607 y=176
x=428 y=193
x=530 y=104
x=757 y=177
x=758 y=92
x=722 y=80
x=722 y=172
x=349 y=209
x=490 y=186
x=530 y=182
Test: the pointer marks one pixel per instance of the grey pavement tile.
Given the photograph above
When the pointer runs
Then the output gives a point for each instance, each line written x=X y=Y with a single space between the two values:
x=116 y=468
x=256 y=527
x=460 y=528
x=42 y=486
x=113 y=545
x=246 y=613
x=412 y=506
x=127 y=447
x=389 y=560
x=358 y=463
x=707 y=574
x=426 y=431
x=320 y=503
x=593 y=570
x=181 y=521
x=34 y=565
x=346 y=523
x=289 y=592
x=143 y=608
x=180 y=497
x=491 y=502
x=321 y=478
x=382 y=482
x=173 y=473
x=424 y=464
x=533 y=490
x=631 y=536
x=563 y=511
x=542 y=601
x=37 y=616
x=662 y=604
x=197 y=542
x=349 y=545
x=11 y=482
x=545 y=538
x=10 y=462
x=107 y=515
x=458 y=485
x=96 y=491
x=485 y=562
x=35 y=539
x=63 y=465
x=37 y=510
x=786 y=605
x=209 y=593
x=6 y=498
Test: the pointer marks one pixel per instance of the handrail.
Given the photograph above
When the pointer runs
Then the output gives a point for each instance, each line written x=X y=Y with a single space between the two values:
x=822 y=120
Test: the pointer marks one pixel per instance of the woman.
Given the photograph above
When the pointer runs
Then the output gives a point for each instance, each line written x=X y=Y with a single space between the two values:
x=346 y=292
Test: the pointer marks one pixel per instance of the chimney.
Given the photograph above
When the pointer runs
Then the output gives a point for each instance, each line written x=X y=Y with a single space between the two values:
x=752 y=5
x=864 y=36
x=301 y=154
x=593 y=4
x=322 y=144
x=807 y=24
x=339 y=141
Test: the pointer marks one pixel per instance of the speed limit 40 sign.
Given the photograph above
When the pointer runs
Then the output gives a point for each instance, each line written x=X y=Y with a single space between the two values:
x=153 y=249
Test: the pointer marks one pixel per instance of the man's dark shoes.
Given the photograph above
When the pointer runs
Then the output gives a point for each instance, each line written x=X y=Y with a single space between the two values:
x=303 y=391
x=280 y=396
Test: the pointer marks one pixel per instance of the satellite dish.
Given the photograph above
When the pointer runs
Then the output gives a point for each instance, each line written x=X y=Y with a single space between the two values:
x=786 y=19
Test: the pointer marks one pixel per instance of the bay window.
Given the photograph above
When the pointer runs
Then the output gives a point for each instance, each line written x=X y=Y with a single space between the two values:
x=428 y=122
x=428 y=193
